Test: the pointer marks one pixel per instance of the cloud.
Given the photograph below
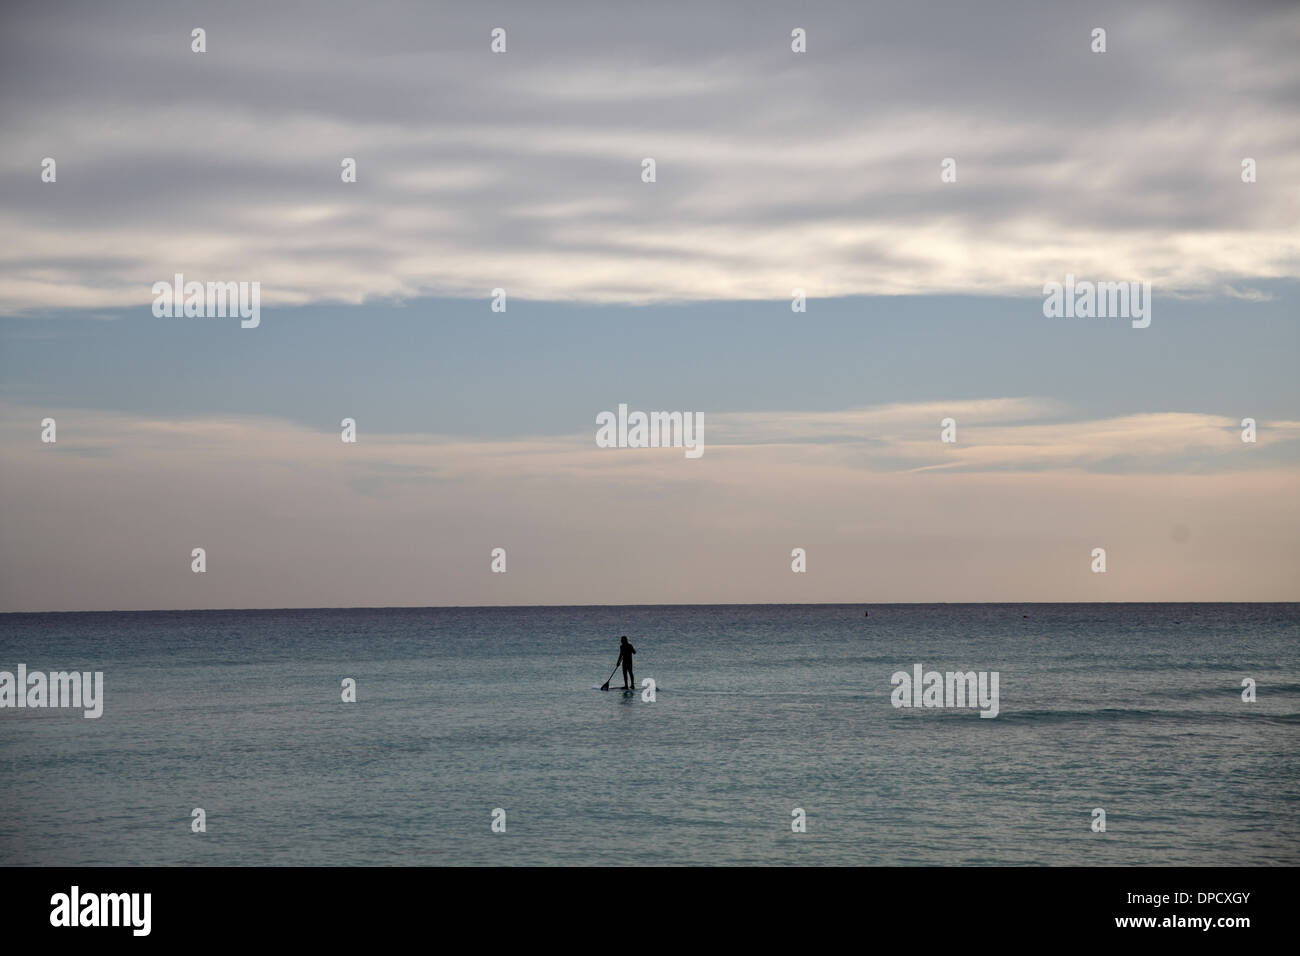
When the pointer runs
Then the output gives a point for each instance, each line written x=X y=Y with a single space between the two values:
x=291 y=516
x=775 y=170
x=993 y=435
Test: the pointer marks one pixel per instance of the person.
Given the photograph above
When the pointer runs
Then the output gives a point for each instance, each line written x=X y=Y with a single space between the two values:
x=625 y=652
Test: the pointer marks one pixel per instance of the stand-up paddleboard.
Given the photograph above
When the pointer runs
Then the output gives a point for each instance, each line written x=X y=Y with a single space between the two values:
x=627 y=689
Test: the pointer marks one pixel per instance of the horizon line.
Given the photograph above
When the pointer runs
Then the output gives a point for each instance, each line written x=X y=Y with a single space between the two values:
x=475 y=607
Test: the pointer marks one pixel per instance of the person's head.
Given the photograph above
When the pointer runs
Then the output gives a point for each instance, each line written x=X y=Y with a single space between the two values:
x=623 y=639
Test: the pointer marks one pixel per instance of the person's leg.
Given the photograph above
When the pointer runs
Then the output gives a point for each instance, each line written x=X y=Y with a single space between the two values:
x=626 y=671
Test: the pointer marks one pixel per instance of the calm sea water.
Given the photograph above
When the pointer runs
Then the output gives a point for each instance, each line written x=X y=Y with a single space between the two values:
x=1133 y=708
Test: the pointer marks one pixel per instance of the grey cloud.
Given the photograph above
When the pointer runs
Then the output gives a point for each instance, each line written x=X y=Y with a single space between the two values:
x=522 y=170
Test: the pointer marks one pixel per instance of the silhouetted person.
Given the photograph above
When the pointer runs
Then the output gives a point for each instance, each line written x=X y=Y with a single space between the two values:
x=625 y=652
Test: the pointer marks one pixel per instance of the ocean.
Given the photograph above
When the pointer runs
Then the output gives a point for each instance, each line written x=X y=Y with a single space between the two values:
x=759 y=711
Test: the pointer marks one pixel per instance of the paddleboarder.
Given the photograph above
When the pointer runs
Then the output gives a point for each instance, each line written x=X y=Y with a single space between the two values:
x=625 y=652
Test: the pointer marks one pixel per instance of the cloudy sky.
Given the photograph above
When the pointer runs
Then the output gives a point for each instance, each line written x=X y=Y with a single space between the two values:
x=775 y=170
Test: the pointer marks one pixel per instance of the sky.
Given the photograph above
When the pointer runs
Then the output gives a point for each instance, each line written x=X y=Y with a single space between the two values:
x=523 y=171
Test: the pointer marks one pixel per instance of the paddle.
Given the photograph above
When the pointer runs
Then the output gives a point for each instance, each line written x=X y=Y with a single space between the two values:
x=605 y=686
